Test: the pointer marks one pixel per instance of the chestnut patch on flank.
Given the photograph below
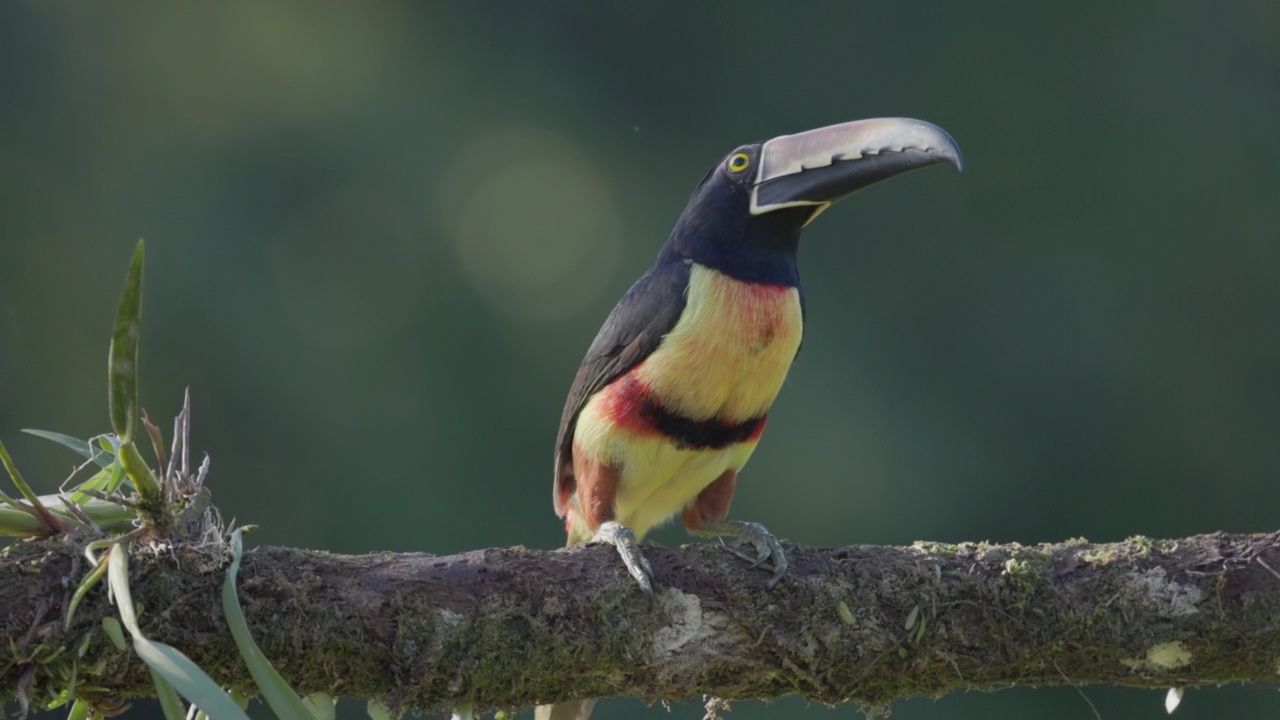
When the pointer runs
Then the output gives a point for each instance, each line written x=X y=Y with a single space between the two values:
x=712 y=504
x=597 y=487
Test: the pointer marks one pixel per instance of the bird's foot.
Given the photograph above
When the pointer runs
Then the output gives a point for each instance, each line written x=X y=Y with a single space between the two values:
x=624 y=540
x=766 y=545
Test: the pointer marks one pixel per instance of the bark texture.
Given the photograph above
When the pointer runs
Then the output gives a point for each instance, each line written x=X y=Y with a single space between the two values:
x=507 y=628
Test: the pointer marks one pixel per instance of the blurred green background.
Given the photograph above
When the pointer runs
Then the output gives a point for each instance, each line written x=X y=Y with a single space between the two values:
x=380 y=237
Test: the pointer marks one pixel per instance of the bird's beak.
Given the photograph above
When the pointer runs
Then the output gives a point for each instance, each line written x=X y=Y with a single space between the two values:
x=818 y=167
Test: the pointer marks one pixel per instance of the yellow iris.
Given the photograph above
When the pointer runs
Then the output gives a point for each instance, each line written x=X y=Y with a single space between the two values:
x=739 y=162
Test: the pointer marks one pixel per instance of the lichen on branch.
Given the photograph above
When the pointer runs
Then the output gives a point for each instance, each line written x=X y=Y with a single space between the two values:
x=508 y=628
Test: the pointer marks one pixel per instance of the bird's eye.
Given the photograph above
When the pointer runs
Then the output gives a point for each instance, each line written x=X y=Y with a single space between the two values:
x=739 y=162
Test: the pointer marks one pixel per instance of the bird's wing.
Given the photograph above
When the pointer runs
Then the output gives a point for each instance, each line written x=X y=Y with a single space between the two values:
x=630 y=334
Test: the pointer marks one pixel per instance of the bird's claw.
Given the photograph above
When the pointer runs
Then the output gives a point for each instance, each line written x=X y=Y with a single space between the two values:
x=623 y=539
x=768 y=549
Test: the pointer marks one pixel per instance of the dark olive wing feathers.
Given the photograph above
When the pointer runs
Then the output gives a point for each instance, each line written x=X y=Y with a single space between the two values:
x=630 y=334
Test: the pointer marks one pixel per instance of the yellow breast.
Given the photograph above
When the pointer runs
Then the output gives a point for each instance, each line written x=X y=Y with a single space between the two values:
x=723 y=362
x=729 y=353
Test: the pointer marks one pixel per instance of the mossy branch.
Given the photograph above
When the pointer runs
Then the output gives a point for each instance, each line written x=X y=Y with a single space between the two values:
x=510 y=627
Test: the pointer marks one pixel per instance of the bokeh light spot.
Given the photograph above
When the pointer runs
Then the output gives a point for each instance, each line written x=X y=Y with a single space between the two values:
x=535 y=229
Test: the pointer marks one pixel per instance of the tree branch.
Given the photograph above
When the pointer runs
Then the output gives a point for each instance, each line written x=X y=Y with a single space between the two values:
x=510 y=627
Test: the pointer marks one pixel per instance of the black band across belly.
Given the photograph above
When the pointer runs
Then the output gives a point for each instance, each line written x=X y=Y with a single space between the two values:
x=699 y=434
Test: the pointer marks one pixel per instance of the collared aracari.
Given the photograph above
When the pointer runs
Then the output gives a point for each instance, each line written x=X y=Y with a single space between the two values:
x=673 y=394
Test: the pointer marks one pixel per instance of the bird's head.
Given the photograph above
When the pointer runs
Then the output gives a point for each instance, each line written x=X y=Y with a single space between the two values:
x=745 y=217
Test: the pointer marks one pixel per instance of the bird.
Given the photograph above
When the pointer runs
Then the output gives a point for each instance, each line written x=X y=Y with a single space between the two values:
x=673 y=394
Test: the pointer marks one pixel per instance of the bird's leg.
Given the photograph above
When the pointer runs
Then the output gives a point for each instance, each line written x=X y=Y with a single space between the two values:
x=624 y=540
x=596 y=491
x=705 y=517
x=766 y=545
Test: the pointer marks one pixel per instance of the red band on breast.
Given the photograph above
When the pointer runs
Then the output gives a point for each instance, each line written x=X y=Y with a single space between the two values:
x=631 y=405
x=625 y=401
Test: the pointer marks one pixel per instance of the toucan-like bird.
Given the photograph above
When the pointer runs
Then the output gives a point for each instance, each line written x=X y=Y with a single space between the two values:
x=673 y=394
